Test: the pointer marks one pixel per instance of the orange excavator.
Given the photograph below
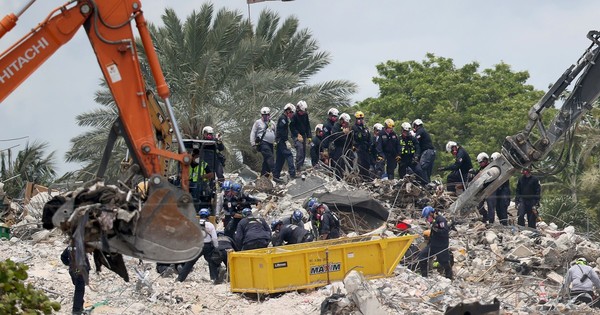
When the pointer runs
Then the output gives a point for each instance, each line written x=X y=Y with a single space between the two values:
x=159 y=225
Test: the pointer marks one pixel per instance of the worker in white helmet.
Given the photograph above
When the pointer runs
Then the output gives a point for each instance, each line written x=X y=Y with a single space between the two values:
x=460 y=168
x=427 y=157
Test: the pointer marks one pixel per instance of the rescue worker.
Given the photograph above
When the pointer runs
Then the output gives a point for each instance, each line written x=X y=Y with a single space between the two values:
x=362 y=144
x=301 y=133
x=409 y=152
x=212 y=153
x=427 y=157
x=502 y=197
x=332 y=117
x=460 y=168
x=262 y=138
x=252 y=233
x=226 y=244
x=283 y=153
x=287 y=234
x=228 y=198
x=488 y=214
x=296 y=218
x=388 y=148
x=340 y=144
x=527 y=199
x=210 y=244
x=316 y=149
x=200 y=177
x=329 y=226
x=438 y=244
x=78 y=277
x=580 y=281
x=237 y=202
x=376 y=162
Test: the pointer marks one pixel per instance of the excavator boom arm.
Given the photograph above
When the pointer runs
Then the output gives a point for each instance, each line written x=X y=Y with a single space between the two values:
x=518 y=151
x=164 y=228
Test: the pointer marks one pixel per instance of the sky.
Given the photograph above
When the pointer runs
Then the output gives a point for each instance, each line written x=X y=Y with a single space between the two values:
x=541 y=37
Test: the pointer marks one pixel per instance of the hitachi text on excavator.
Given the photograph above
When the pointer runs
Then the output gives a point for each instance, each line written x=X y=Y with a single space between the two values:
x=116 y=219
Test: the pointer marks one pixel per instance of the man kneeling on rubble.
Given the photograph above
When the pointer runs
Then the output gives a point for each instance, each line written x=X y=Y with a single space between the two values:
x=439 y=241
x=581 y=280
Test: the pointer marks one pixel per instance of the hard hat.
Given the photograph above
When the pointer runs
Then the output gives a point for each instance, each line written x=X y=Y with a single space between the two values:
x=311 y=202
x=388 y=123
x=333 y=112
x=427 y=211
x=314 y=207
x=302 y=106
x=265 y=111
x=297 y=215
x=449 y=146
x=406 y=126
x=378 y=127
x=496 y=155
x=345 y=117
x=318 y=128
x=226 y=185
x=417 y=122
x=359 y=114
x=581 y=261
x=208 y=129
x=246 y=212
x=237 y=187
x=204 y=213
x=289 y=106
x=482 y=156
x=275 y=223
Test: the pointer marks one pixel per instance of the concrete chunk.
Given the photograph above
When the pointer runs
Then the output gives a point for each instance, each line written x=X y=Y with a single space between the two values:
x=522 y=251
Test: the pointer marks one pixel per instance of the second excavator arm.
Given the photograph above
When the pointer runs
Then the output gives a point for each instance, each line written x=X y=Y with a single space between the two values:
x=521 y=150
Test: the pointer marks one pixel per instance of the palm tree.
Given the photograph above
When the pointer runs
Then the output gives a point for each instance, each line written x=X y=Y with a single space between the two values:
x=31 y=164
x=221 y=71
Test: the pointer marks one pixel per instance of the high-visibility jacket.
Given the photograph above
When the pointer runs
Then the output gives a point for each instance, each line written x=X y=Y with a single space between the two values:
x=197 y=171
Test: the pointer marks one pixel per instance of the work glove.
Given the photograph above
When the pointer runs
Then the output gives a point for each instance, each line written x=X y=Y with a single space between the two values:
x=426 y=233
x=309 y=140
x=397 y=158
x=300 y=138
x=380 y=158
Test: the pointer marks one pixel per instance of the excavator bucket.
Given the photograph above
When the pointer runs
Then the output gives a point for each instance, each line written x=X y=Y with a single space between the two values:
x=164 y=229
x=167 y=229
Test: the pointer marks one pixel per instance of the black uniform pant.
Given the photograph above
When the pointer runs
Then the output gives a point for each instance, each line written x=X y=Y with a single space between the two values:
x=300 y=153
x=502 y=204
x=213 y=268
x=390 y=167
x=79 y=292
x=284 y=155
x=523 y=210
x=254 y=244
x=426 y=164
x=364 y=163
x=443 y=257
x=268 y=164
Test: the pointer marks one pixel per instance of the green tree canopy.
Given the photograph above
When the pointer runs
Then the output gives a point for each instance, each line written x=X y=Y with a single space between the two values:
x=478 y=109
x=222 y=70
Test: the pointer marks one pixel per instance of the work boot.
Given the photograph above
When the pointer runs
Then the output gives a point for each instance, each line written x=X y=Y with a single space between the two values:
x=221 y=276
x=448 y=272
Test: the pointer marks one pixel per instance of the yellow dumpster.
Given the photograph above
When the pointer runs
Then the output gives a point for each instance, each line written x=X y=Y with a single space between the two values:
x=314 y=264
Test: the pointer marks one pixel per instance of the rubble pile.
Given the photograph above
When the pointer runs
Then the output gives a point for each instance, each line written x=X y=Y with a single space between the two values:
x=522 y=268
